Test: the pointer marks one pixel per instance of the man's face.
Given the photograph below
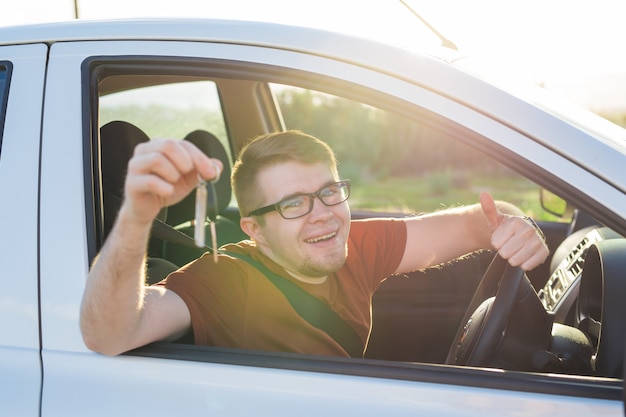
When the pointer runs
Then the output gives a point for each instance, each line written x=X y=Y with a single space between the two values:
x=310 y=246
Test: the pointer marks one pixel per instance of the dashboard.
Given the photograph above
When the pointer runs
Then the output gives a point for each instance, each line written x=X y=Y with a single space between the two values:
x=585 y=297
x=565 y=279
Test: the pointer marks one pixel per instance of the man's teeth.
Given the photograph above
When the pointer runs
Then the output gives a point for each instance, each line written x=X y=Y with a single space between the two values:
x=320 y=238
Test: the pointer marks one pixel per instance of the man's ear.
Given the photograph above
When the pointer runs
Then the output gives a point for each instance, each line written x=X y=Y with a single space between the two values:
x=251 y=227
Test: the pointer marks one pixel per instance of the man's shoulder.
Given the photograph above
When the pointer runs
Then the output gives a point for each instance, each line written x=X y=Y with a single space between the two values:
x=243 y=247
x=380 y=229
x=246 y=255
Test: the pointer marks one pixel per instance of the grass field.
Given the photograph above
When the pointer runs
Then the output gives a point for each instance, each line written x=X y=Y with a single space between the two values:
x=445 y=189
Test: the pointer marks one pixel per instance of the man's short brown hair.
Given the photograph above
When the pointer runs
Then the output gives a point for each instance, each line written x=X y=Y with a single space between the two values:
x=271 y=149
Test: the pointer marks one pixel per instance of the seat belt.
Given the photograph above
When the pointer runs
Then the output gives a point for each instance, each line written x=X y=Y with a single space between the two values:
x=311 y=309
x=164 y=231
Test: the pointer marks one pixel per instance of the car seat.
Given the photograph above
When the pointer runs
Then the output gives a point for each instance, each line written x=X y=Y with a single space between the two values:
x=181 y=215
x=117 y=143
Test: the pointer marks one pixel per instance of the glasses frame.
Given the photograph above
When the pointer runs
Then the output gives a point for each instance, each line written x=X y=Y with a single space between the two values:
x=276 y=206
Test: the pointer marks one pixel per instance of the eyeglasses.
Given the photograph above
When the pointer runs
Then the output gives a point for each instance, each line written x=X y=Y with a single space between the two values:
x=299 y=205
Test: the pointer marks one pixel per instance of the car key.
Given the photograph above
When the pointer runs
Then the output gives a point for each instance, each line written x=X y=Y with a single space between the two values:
x=212 y=208
x=206 y=196
x=201 y=197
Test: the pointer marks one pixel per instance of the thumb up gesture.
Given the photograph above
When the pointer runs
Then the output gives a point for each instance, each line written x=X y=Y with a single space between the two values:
x=516 y=238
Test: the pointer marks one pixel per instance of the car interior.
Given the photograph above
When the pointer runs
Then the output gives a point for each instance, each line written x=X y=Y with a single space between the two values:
x=565 y=317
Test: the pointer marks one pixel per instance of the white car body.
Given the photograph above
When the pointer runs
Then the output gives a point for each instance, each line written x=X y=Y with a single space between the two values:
x=45 y=368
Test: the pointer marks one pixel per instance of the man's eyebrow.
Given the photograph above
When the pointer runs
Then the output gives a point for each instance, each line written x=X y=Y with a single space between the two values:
x=299 y=193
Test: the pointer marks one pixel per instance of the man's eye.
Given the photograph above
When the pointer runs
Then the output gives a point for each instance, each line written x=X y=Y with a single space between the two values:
x=292 y=203
x=329 y=191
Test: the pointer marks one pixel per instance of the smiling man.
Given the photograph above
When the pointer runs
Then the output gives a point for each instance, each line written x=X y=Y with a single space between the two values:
x=294 y=209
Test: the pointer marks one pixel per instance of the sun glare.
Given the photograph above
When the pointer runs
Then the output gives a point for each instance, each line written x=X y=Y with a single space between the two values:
x=550 y=43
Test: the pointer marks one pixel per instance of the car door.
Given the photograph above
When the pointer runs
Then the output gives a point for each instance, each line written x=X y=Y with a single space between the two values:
x=22 y=73
x=175 y=379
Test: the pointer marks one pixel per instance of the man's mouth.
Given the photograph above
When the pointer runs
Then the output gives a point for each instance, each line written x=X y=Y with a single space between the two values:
x=322 y=238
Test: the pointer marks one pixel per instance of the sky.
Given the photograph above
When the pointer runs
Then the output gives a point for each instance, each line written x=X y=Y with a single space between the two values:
x=573 y=47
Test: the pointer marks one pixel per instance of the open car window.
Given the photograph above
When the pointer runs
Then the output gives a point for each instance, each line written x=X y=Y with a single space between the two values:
x=402 y=160
x=399 y=165
x=169 y=110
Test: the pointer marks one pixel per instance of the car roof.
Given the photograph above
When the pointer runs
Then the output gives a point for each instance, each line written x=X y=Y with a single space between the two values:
x=441 y=70
x=321 y=42
x=205 y=29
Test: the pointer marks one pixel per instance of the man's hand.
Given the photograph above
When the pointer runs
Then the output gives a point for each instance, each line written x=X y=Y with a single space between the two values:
x=514 y=237
x=161 y=173
x=118 y=312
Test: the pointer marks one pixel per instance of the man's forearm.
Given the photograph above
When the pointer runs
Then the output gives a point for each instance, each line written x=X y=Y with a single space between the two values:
x=113 y=298
x=442 y=236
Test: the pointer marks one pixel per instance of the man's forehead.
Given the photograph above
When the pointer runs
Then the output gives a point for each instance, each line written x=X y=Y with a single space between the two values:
x=288 y=178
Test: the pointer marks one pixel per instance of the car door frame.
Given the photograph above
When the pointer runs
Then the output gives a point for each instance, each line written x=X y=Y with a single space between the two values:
x=166 y=379
x=20 y=361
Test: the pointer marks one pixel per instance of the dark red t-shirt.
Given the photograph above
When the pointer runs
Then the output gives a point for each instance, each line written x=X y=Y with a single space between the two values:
x=232 y=304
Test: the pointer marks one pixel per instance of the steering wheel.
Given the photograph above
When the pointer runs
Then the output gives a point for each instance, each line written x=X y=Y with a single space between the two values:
x=486 y=318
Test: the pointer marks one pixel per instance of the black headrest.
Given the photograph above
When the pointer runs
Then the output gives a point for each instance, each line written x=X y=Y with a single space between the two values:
x=211 y=146
x=117 y=144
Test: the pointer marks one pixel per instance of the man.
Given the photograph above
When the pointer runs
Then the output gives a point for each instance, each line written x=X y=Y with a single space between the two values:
x=294 y=208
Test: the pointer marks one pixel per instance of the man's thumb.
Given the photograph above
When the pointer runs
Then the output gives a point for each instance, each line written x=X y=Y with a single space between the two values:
x=493 y=215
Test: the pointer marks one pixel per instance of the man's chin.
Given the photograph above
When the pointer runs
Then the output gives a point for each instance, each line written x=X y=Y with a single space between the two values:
x=324 y=267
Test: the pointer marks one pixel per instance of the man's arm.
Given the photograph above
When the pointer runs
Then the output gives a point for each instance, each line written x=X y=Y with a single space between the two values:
x=119 y=312
x=440 y=237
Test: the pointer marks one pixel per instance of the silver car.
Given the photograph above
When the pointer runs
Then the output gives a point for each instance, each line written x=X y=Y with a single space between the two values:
x=414 y=131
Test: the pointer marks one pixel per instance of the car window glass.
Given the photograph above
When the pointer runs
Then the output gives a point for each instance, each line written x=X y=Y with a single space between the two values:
x=168 y=110
x=4 y=90
x=398 y=165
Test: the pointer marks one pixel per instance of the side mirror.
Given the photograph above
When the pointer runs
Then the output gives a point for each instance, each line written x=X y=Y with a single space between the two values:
x=554 y=204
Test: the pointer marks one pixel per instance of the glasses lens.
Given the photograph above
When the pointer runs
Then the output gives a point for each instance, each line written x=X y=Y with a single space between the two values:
x=295 y=206
x=334 y=193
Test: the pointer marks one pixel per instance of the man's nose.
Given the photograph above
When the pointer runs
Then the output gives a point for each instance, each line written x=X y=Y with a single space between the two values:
x=320 y=211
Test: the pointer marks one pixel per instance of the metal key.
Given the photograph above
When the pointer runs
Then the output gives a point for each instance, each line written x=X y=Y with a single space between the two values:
x=201 y=196
x=212 y=211
x=206 y=196
x=213 y=240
